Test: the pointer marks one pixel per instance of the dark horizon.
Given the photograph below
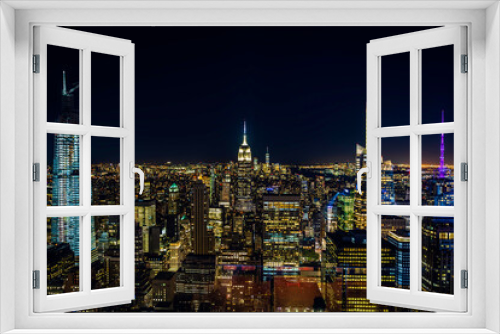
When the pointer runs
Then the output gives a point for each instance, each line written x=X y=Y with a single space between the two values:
x=301 y=90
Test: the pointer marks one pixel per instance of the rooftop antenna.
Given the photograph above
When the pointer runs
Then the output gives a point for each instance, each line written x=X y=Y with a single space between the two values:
x=244 y=132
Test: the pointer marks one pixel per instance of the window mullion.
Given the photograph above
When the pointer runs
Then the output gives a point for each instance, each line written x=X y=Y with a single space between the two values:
x=85 y=183
x=415 y=168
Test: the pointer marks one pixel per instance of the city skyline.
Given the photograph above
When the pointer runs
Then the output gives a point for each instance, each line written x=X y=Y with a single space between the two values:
x=238 y=231
x=195 y=85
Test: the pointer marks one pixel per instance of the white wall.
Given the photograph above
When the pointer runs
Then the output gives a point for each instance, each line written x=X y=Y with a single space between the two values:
x=492 y=148
x=7 y=158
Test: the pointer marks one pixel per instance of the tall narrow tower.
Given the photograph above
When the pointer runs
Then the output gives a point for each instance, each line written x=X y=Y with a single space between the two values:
x=244 y=182
x=442 y=170
x=202 y=238
x=244 y=153
x=66 y=174
x=268 y=157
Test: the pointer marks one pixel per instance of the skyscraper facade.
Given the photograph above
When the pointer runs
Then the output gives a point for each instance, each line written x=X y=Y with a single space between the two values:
x=437 y=254
x=400 y=244
x=281 y=220
x=244 y=186
x=66 y=175
x=203 y=241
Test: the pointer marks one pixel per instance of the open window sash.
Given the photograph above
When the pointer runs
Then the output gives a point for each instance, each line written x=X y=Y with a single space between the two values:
x=83 y=295
x=416 y=297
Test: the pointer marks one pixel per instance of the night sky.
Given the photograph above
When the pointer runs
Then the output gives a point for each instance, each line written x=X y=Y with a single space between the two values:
x=301 y=90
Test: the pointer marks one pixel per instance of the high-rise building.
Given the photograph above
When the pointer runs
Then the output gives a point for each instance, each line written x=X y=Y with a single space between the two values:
x=345 y=211
x=163 y=286
x=215 y=225
x=244 y=182
x=387 y=184
x=66 y=175
x=437 y=254
x=225 y=198
x=145 y=217
x=173 y=199
x=62 y=275
x=194 y=284
x=345 y=272
x=202 y=237
x=268 y=156
x=154 y=239
x=281 y=220
x=400 y=244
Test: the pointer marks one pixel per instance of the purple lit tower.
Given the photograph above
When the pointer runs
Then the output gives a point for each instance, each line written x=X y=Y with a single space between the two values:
x=442 y=170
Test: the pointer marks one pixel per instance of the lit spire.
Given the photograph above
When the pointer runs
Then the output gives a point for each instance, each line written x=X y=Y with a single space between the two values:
x=244 y=133
x=442 y=171
x=64 y=90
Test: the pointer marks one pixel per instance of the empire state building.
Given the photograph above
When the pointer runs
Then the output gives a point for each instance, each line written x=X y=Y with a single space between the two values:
x=244 y=184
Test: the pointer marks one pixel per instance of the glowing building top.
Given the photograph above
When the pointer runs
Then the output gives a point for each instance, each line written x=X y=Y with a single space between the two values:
x=442 y=168
x=244 y=153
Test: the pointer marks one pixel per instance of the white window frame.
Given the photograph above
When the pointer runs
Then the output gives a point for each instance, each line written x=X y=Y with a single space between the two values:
x=483 y=21
x=85 y=43
x=414 y=43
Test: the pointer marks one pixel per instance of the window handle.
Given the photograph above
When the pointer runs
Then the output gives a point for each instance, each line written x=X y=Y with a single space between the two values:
x=368 y=172
x=135 y=170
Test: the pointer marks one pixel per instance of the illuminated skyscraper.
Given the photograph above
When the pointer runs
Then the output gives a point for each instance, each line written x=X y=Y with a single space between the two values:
x=145 y=217
x=225 y=198
x=345 y=272
x=66 y=175
x=203 y=240
x=345 y=211
x=244 y=186
x=173 y=199
x=281 y=218
x=212 y=186
x=268 y=157
x=437 y=254
x=400 y=243
x=387 y=184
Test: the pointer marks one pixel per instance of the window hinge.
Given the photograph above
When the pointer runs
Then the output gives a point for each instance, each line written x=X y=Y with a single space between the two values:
x=465 y=279
x=465 y=64
x=464 y=172
x=36 y=63
x=36 y=172
x=36 y=279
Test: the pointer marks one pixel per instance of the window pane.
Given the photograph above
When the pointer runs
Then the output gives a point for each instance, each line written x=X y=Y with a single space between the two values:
x=437 y=254
x=437 y=84
x=437 y=170
x=105 y=89
x=395 y=252
x=105 y=251
x=63 y=78
x=63 y=170
x=63 y=250
x=395 y=171
x=395 y=93
x=105 y=171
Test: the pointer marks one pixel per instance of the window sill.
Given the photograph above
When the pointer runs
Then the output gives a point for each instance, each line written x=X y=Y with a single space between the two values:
x=250 y=331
